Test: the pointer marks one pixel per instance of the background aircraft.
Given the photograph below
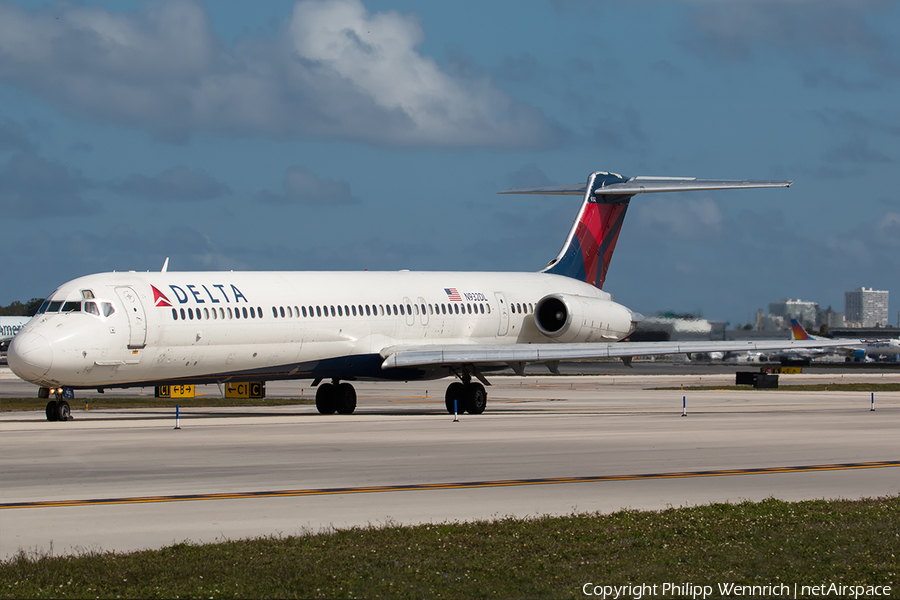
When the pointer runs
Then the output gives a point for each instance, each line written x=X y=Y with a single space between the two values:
x=871 y=348
x=9 y=327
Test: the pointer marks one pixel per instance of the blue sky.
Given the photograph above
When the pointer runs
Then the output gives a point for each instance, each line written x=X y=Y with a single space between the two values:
x=357 y=135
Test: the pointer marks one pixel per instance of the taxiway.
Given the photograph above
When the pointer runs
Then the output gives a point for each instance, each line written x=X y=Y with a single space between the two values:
x=123 y=480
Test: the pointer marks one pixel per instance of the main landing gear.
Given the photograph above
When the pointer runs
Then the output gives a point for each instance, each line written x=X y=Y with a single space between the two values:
x=57 y=410
x=466 y=396
x=336 y=397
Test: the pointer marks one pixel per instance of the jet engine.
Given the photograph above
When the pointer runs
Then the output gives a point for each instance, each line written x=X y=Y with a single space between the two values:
x=569 y=318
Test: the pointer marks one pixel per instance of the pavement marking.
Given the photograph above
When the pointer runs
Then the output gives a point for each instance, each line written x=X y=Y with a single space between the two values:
x=449 y=486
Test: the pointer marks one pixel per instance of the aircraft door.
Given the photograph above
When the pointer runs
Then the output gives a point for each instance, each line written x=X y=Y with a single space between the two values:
x=410 y=316
x=424 y=309
x=137 y=319
x=503 y=311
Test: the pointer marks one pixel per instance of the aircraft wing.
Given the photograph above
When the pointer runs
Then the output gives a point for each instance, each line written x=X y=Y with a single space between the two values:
x=646 y=185
x=474 y=354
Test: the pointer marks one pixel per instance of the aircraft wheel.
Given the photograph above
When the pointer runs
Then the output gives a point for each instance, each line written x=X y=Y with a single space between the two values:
x=476 y=398
x=52 y=411
x=325 y=399
x=345 y=399
x=63 y=411
x=454 y=398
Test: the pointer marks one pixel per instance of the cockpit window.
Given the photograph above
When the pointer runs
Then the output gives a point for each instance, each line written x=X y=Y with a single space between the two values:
x=54 y=306
x=91 y=308
x=72 y=307
x=87 y=294
x=43 y=307
x=108 y=308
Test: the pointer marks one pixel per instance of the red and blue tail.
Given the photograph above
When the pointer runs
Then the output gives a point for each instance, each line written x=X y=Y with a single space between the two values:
x=592 y=240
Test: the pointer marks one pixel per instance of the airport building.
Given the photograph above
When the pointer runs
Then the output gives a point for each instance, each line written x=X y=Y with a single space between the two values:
x=865 y=307
x=805 y=312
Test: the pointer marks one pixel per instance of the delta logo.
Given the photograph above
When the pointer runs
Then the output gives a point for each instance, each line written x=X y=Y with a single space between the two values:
x=159 y=299
x=219 y=293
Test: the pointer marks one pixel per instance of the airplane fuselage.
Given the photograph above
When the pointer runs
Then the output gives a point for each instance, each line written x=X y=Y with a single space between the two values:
x=204 y=327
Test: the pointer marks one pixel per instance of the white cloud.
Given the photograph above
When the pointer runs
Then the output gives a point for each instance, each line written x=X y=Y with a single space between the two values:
x=334 y=71
x=680 y=218
x=302 y=186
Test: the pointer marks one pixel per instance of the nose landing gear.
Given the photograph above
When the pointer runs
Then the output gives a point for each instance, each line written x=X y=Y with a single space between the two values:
x=57 y=410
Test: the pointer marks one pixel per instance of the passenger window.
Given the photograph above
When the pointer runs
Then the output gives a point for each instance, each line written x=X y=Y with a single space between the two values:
x=395 y=310
x=252 y=313
x=444 y=309
x=332 y=311
x=401 y=310
x=354 y=310
x=346 y=310
x=174 y=314
x=381 y=309
x=456 y=308
x=368 y=314
x=360 y=310
x=222 y=313
x=280 y=309
x=206 y=313
x=214 y=313
x=318 y=311
x=237 y=313
x=423 y=309
x=183 y=317
x=304 y=312
x=469 y=308
x=229 y=313
x=408 y=310
x=91 y=309
x=259 y=311
x=191 y=314
x=340 y=312
x=199 y=314
x=244 y=311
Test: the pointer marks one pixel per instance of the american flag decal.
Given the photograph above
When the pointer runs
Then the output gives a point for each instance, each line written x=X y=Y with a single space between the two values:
x=452 y=294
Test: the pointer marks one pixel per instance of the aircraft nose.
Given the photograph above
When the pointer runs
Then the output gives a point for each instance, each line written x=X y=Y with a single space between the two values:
x=30 y=356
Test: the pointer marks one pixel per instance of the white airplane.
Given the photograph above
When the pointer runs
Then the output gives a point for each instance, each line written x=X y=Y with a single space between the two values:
x=132 y=329
x=9 y=327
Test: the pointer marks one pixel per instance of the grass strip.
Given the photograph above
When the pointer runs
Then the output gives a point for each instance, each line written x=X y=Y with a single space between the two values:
x=764 y=543
x=798 y=387
x=10 y=404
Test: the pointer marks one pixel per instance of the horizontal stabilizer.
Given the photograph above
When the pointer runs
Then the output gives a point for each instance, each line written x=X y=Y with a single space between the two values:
x=646 y=185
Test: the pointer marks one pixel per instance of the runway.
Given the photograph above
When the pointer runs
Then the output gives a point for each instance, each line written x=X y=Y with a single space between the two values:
x=123 y=480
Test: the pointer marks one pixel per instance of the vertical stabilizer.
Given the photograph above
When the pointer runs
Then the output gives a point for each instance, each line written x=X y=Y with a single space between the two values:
x=592 y=240
x=799 y=333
